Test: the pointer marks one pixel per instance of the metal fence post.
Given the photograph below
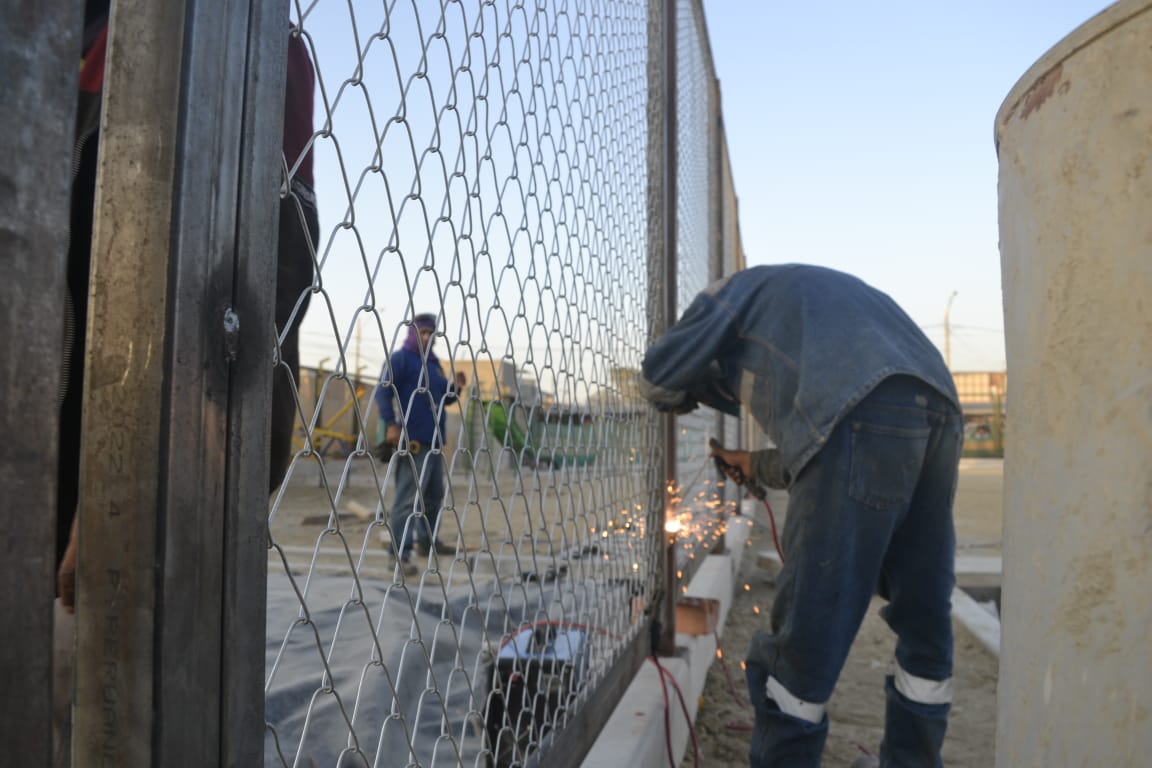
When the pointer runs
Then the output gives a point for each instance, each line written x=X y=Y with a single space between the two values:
x=124 y=376
x=245 y=546
x=39 y=53
x=662 y=286
x=172 y=464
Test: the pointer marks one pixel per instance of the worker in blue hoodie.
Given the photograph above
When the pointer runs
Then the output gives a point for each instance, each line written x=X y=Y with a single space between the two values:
x=414 y=380
x=867 y=432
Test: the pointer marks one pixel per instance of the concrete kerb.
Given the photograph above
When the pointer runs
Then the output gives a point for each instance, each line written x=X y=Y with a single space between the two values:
x=983 y=625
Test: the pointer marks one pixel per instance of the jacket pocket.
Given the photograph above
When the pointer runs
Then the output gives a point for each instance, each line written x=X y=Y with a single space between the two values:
x=886 y=463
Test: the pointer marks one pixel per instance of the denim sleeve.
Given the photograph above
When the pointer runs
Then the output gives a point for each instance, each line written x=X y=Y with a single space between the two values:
x=768 y=469
x=386 y=391
x=682 y=356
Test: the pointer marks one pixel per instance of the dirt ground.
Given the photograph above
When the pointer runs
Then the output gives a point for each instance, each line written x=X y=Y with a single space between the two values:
x=856 y=710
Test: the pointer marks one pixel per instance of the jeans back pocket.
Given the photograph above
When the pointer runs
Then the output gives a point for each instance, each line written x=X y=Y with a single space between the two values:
x=886 y=463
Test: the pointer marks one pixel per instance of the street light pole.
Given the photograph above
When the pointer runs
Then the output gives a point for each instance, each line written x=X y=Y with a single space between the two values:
x=948 y=332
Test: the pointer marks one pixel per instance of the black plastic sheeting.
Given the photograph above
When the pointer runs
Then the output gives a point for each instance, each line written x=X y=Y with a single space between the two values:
x=398 y=691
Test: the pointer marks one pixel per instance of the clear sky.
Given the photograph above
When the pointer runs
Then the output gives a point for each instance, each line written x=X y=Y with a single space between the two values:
x=861 y=139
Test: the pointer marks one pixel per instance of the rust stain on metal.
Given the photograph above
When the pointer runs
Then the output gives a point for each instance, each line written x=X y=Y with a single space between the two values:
x=1043 y=90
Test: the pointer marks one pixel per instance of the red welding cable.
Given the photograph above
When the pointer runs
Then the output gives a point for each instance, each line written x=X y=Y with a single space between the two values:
x=667 y=713
x=666 y=675
x=687 y=717
x=772 y=522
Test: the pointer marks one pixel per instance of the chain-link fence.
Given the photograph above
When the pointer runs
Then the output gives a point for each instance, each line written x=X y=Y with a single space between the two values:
x=463 y=553
x=457 y=602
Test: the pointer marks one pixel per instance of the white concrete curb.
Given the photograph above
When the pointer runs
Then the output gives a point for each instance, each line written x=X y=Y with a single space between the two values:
x=979 y=572
x=983 y=625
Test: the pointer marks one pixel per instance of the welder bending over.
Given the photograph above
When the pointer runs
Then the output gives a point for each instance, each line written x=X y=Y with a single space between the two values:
x=867 y=431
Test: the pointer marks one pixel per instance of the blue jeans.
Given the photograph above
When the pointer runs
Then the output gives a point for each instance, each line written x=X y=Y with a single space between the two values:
x=419 y=494
x=872 y=510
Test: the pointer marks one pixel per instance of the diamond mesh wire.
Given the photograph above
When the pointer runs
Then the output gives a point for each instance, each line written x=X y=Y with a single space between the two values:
x=485 y=164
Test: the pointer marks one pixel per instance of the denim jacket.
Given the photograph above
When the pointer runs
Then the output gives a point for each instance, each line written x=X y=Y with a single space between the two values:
x=798 y=345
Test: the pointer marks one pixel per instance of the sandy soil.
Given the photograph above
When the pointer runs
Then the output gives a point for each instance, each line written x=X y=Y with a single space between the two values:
x=856 y=710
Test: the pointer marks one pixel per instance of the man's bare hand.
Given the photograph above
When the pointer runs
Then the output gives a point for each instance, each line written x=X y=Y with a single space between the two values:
x=392 y=435
x=738 y=464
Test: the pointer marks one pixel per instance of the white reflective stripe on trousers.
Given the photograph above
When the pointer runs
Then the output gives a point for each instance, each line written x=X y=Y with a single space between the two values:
x=791 y=705
x=921 y=689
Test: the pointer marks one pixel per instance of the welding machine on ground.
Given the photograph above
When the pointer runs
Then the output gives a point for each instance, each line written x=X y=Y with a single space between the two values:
x=536 y=674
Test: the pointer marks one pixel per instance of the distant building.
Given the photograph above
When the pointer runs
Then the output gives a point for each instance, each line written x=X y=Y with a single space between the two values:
x=499 y=380
x=981 y=393
x=982 y=398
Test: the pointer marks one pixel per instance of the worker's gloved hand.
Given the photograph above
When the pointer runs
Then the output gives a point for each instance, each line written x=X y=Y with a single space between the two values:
x=383 y=452
x=667 y=400
x=687 y=405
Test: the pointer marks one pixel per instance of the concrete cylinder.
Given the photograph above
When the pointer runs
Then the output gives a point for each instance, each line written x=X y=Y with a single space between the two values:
x=1074 y=139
